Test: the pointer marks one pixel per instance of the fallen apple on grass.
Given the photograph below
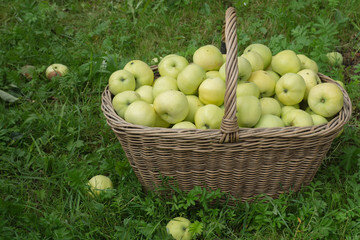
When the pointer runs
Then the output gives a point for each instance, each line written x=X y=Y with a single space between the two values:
x=98 y=184
x=56 y=69
x=178 y=228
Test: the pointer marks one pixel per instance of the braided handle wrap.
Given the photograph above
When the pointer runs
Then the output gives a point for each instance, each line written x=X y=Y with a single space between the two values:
x=229 y=126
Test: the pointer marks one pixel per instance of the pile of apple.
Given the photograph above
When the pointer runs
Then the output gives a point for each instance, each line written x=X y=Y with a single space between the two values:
x=272 y=91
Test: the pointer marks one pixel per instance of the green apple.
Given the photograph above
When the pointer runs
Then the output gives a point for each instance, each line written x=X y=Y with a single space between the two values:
x=248 y=111
x=194 y=105
x=212 y=91
x=307 y=63
x=247 y=89
x=224 y=57
x=297 y=118
x=308 y=110
x=209 y=117
x=208 y=57
x=190 y=78
x=162 y=84
x=264 y=81
x=270 y=106
x=184 y=124
x=286 y=62
x=178 y=228
x=28 y=71
x=140 y=113
x=56 y=69
x=341 y=84
x=172 y=106
x=121 y=81
x=244 y=68
x=255 y=60
x=263 y=51
x=172 y=65
x=212 y=74
x=290 y=89
x=335 y=58
x=326 y=99
x=311 y=79
x=122 y=100
x=273 y=75
x=99 y=184
x=146 y=93
x=159 y=122
x=141 y=71
x=286 y=109
x=269 y=121
x=318 y=120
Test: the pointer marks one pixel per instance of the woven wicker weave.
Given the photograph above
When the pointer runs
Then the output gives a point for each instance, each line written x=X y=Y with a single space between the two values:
x=243 y=162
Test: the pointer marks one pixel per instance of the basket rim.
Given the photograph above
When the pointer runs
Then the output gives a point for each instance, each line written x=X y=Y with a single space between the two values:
x=332 y=127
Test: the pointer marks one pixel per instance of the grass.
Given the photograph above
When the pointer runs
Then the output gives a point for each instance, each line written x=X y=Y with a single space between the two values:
x=55 y=138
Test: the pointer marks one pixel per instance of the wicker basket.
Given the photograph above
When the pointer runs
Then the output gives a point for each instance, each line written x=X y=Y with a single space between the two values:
x=243 y=162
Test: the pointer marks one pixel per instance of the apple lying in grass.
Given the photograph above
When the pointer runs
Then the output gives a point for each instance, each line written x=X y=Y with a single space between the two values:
x=56 y=69
x=335 y=58
x=122 y=100
x=172 y=106
x=121 y=81
x=28 y=71
x=262 y=50
x=98 y=184
x=208 y=57
x=172 y=65
x=326 y=99
x=141 y=71
x=178 y=228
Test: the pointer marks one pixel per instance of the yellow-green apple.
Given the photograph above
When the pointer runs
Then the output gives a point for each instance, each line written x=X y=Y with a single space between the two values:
x=248 y=111
x=270 y=106
x=341 y=83
x=269 y=121
x=318 y=120
x=172 y=106
x=286 y=109
x=28 y=71
x=159 y=122
x=56 y=69
x=262 y=50
x=307 y=63
x=162 y=84
x=172 y=65
x=244 y=68
x=209 y=117
x=212 y=91
x=273 y=75
x=208 y=57
x=178 y=228
x=122 y=100
x=255 y=60
x=141 y=71
x=140 y=113
x=121 y=81
x=286 y=62
x=99 y=184
x=290 y=89
x=326 y=99
x=335 y=58
x=146 y=93
x=311 y=79
x=190 y=78
x=264 y=81
x=297 y=118
x=247 y=89
x=212 y=74
x=224 y=57
x=184 y=124
x=194 y=105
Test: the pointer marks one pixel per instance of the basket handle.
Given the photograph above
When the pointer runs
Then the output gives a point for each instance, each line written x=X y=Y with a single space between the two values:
x=229 y=126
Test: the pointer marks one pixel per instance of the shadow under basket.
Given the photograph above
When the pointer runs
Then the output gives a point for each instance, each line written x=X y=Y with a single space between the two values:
x=250 y=162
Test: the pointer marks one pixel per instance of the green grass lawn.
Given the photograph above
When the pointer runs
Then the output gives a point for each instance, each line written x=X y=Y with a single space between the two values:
x=54 y=138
